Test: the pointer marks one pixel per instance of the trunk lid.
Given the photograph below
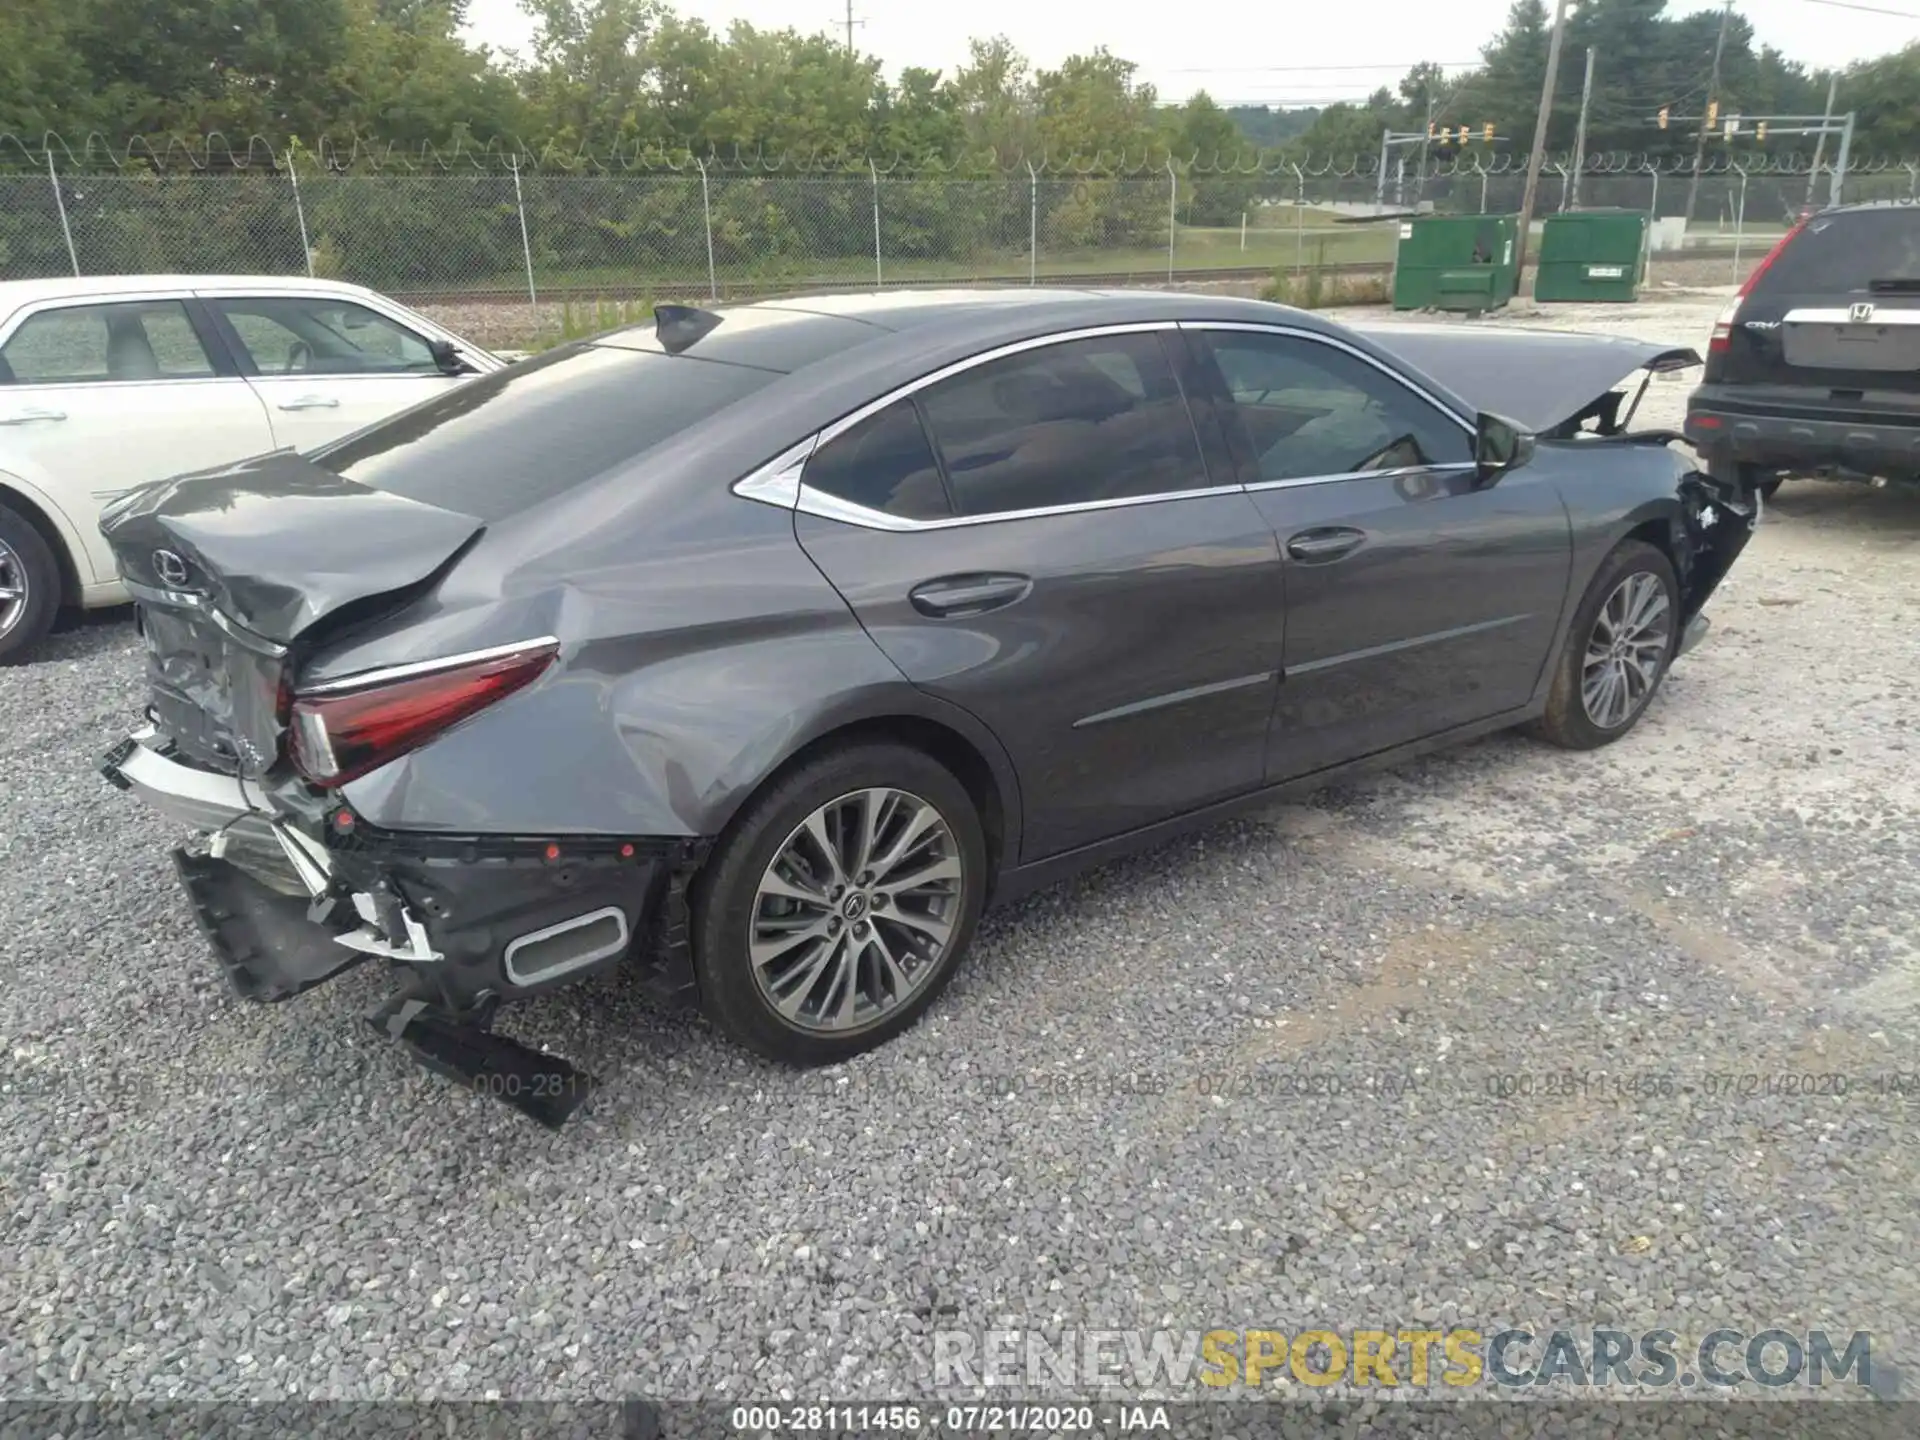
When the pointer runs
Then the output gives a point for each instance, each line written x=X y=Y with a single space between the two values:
x=1836 y=315
x=1539 y=379
x=235 y=569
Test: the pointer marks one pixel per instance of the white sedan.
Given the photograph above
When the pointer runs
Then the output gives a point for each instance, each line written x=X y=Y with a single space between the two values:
x=108 y=382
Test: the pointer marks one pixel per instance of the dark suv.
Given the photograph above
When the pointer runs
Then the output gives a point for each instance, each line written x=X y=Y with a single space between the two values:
x=1814 y=368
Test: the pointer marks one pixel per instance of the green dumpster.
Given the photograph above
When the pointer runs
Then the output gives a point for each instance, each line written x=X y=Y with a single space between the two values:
x=1591 y=255
x=1454 y=262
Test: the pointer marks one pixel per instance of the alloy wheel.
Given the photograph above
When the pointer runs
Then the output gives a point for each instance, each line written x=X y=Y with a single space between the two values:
x=13 y=587
x=1630 y=641
x=856 y=909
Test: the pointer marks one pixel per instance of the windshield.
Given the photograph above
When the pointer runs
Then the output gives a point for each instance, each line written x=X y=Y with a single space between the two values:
x=510 y=440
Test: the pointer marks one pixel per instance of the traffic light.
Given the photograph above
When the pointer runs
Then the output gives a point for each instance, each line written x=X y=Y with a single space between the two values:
x=1663 y=116
x=1760 y=131
x=1486 y=132
x=1713 y=113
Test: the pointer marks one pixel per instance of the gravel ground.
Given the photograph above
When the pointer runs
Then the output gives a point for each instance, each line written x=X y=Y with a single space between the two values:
x=206 y=1199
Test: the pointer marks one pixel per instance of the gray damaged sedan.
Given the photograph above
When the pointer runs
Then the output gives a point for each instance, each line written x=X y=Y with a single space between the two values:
x=759 y=650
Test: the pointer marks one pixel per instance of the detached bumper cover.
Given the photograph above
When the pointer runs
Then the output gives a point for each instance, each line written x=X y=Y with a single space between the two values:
x=266 y=943
x=289 y=898
x=1695 y=632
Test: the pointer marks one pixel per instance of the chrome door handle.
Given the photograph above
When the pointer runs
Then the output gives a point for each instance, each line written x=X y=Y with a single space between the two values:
x=30 y=417
x=1328 y=544
x=311 y=402
x=957 y=595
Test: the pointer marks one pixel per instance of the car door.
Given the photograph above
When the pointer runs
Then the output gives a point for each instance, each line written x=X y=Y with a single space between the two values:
x=1035 y=536
x=98 y=398
x=326 y=365
x=1419 y=598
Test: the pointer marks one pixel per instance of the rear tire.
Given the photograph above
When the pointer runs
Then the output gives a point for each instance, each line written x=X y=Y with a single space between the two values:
x=1618 y=647
x=29 y=587
x=839 y=903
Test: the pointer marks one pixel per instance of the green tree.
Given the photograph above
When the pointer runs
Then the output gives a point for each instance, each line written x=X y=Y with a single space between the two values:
x=587 y=84
x=44 y=81
x=406 y=77
x=190 y=66
x=993 y=94
x=1885 y=93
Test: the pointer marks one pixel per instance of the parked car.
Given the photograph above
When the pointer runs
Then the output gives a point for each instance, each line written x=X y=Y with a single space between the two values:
x=110 y=381
x=763 y=648
x=1814 y=368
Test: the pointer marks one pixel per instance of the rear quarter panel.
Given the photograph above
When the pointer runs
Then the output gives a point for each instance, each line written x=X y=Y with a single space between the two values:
x=686 y=678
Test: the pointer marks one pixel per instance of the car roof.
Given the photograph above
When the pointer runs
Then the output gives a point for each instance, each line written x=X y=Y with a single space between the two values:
x=15 y=293
x=794 y=333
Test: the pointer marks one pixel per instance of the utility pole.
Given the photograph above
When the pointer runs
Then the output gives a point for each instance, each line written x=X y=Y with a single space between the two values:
x=1580 y=132
x=1820 y=145
x=1538 y=154
x=1713 y=94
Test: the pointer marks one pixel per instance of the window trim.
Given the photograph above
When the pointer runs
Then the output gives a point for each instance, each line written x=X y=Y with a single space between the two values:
x=781 y=481
x=217 y=301
x=211 y=341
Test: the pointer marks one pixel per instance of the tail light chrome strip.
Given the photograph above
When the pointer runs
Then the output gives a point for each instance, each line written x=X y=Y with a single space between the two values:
x=387 y=674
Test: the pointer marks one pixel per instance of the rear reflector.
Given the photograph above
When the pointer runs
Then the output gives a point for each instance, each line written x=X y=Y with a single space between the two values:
x=345 y=731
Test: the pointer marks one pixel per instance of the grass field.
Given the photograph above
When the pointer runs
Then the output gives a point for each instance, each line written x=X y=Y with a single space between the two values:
x=1266 y=247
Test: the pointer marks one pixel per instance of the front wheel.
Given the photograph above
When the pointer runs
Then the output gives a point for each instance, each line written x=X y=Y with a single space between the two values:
x=29 y=587
x=839 y=904
x=1617 y=651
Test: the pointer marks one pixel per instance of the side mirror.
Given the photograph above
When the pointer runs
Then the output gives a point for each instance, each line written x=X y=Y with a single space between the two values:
x=1499 y=446
x=447 y=359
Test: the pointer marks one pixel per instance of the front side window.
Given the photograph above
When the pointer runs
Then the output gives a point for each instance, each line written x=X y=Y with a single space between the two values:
x=884 y=463
x=1302 y=409
x=84 y=344
x=1086 y=420
x=294 y=335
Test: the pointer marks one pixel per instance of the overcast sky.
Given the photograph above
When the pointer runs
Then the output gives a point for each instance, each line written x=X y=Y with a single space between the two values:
x=1276 y=52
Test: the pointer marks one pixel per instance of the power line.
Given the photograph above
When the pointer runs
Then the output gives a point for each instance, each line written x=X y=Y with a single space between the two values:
x=1866 y=9
x=1401 y=65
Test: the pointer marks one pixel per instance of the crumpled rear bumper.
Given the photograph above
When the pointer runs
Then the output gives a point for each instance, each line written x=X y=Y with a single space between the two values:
x=477 y=920
x=291 y=893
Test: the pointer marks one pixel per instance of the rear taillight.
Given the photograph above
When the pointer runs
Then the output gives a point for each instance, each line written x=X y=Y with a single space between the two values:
x=345 y=731
x=1722 y=338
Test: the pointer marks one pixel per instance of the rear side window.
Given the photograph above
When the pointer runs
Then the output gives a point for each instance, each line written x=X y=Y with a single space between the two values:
x=884 y=463
x=136 y=340
x=1085 y=420
x=506 y=441
x=1847 y=252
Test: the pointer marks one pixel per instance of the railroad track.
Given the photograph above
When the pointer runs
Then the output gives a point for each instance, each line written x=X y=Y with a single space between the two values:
x=697 y=288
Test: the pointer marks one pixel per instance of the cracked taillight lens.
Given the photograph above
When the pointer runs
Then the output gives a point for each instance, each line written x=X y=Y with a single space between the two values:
x=342 y=733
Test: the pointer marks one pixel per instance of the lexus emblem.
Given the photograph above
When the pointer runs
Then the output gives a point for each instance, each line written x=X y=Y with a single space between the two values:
x=171 y=569
x=1861 y=313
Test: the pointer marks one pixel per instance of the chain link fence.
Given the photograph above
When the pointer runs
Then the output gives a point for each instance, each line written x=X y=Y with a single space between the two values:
x=501 y=233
